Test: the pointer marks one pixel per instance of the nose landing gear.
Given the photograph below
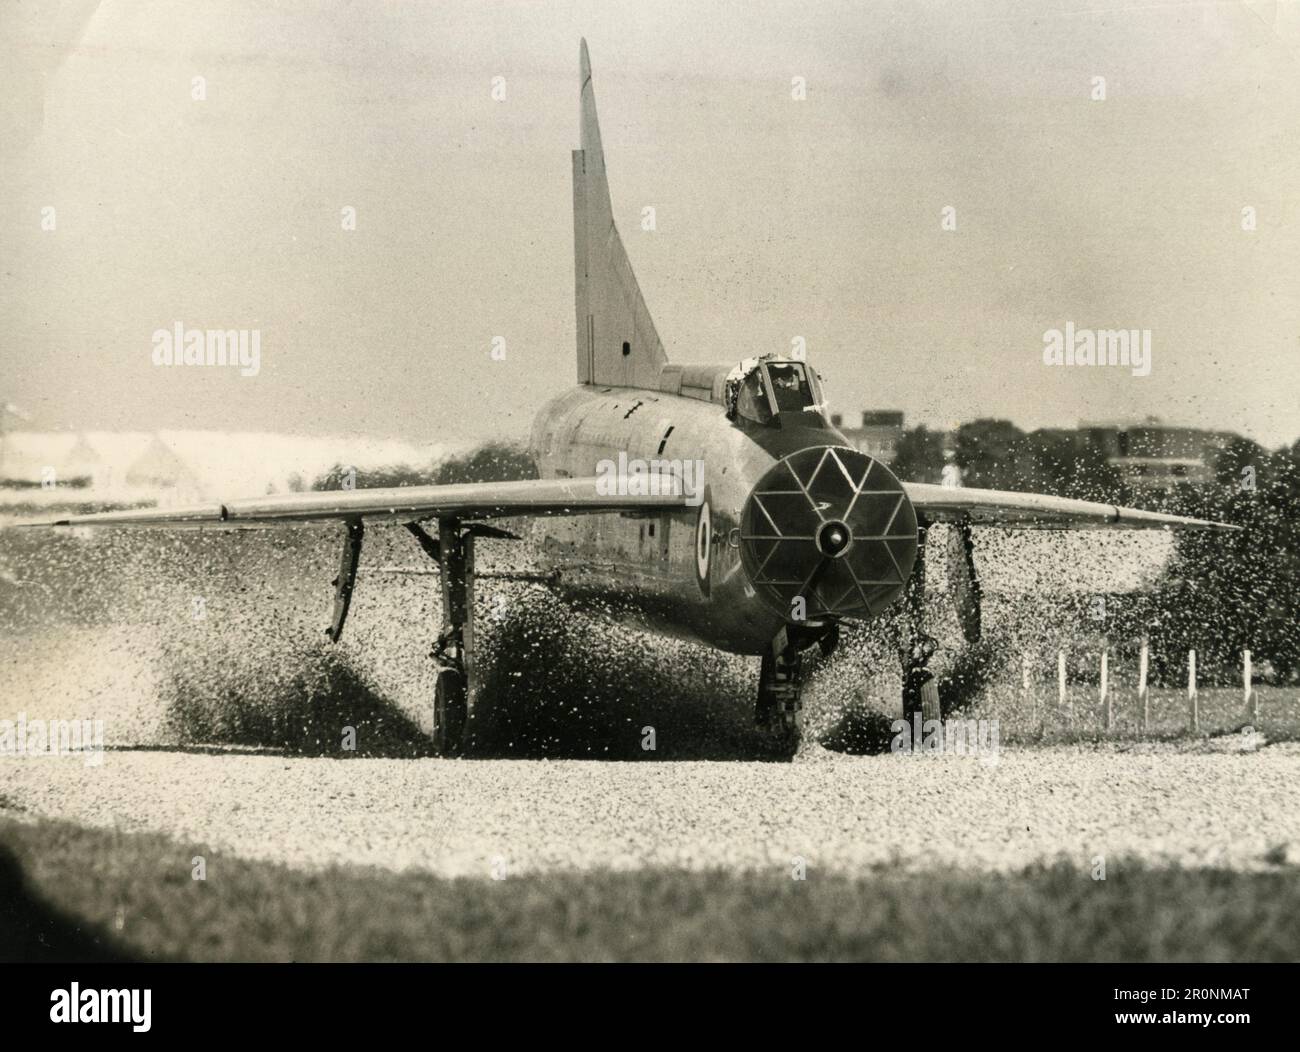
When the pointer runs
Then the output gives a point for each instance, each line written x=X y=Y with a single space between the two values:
x=779 y=711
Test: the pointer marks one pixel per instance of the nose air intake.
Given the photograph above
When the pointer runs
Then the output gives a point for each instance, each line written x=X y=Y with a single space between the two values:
x=832 y=525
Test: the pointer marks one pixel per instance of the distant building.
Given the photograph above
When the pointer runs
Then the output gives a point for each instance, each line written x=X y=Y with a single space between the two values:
x=1154 y=456
x=879 y=434
x=159 y=468
x=186 y=466
x=30 y=458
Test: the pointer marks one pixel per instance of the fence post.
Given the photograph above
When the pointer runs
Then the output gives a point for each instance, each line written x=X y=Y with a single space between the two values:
x=1105 y=683
x=1026 y=685
x=1193 y=707
x=1060 y=684
x=1252 y=699
x=1144 y=660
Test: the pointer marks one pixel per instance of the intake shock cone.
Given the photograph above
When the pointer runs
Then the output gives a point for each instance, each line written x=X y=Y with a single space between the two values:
x=833 y=526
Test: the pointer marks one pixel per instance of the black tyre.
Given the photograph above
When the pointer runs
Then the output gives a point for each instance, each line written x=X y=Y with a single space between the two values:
x=781 y=726
x=787 y=734
x=450 y=711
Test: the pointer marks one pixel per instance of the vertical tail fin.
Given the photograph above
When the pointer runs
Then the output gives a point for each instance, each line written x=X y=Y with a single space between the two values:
x=617 y=342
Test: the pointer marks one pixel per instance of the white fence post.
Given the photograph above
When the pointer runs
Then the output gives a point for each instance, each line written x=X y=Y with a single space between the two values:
x=1027 y=686
x=1252 y=699
x=1193 y=707
x=1105 y=684
x=1144 y=661
x=1060 y=682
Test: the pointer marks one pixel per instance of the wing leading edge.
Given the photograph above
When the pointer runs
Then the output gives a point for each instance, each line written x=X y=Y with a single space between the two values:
x=475 y=500
x=1038 y=511
x=536 y=497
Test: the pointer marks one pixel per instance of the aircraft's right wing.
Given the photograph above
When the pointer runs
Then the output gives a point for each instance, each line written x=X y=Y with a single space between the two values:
x=462 y=503
x=1038 y=511
x=473 y=500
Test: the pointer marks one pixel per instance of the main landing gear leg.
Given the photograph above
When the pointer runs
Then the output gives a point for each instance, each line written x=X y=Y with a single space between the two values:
x=780 y=684
x=454 y=651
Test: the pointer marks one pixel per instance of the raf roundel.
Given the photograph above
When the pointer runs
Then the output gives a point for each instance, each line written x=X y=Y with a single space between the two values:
x=703 y=544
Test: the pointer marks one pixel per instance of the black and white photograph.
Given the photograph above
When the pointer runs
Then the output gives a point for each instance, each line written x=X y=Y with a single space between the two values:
x=650 y=482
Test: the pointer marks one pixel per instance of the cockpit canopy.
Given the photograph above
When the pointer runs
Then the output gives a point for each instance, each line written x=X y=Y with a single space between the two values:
x=759 y=389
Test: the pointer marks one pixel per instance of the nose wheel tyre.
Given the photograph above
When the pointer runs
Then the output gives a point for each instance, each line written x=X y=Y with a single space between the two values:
x=786 y=734
x=450 y=711
x=778 y=712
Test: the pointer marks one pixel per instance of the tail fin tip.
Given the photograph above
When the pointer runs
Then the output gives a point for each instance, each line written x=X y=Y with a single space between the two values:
x=616 y=339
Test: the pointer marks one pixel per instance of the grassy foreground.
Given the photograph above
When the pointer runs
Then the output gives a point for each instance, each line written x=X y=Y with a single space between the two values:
x=68 y=893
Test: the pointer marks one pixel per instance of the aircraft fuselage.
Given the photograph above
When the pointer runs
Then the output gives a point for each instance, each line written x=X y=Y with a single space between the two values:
x=679 y=571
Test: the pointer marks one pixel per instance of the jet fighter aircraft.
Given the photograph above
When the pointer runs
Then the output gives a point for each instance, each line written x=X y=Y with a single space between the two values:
x=784 y=532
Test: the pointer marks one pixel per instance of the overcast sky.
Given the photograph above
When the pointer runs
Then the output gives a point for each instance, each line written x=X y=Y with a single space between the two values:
x=775 y=218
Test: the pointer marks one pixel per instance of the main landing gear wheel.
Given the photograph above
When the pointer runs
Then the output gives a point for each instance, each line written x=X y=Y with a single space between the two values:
x=920 y=691
x=915 y=649
x=778 y=711
x=453 y=653
x=450 y=711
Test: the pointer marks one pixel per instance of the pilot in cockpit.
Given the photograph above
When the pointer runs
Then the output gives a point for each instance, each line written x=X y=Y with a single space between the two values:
x=790 y=386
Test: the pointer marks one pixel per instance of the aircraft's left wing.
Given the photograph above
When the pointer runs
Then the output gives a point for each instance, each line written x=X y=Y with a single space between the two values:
x=1038 y=511
x=474 y=500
